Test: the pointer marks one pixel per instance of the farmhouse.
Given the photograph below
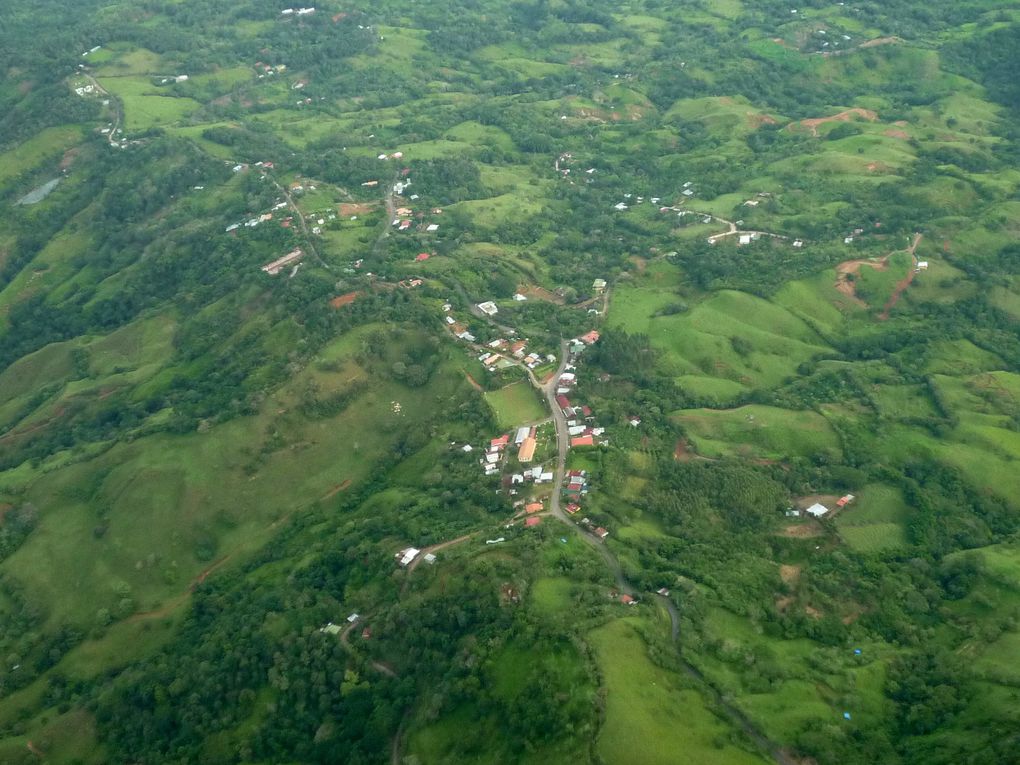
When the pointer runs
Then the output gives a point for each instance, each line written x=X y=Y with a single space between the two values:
x=845 y=500
x=277 y=265
x=581 y=441
x=627 y=600
x=405 y=556
x=590 y=338
x=599 y=286
x=488 y=308
x=601 y=533
x=817 y=510
x=499 y=443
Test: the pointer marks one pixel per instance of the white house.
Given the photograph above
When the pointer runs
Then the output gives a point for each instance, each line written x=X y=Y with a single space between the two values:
x=817 y=510
x=408 y=554
x=488 y=308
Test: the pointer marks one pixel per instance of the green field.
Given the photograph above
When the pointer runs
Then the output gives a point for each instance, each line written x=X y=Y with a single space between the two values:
x=515 y=405
x=875 y=520
x=145 y=106
x=759 y=431
x=48 y=144
x=651 y=718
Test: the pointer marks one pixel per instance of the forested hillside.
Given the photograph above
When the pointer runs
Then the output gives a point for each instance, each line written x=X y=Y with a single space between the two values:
x=481 y=381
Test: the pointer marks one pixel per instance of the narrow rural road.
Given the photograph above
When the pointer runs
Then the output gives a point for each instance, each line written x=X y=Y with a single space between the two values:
x=301 y=220
x=624 y=586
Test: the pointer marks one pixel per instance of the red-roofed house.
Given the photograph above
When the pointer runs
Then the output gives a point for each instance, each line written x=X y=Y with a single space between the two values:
x=601 y=533
x=563 y=401
x=590 y=338
x=572 y=508
x=500 y=442
x=421 y=256
x=582 y=441
x=845 y=500
x=586 y=411
x=627 y=600
x=532 y=522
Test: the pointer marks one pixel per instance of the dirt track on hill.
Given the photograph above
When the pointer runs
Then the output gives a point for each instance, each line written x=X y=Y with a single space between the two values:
x=812 y=124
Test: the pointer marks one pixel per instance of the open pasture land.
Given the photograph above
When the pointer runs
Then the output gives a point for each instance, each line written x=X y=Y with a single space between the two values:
x=47 y=145
x=758 y=431
x=145 y=106
x=875 y=520
x=516 y=404
x=651 y=718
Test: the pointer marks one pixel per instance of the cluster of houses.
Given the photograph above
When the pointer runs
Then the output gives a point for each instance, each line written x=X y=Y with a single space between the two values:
x=268 y=70
x=403 y=215
x=598 y=531
x=581 y=425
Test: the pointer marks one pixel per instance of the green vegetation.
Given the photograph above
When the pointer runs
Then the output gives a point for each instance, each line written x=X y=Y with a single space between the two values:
x=205 y=459
x=515 y=405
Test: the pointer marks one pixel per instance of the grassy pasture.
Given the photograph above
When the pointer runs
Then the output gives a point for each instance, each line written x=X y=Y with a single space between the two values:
x=650 y=718
x=876 y=520
x=145 y=106
x=515 y=405
x=758 y=431
x=48 y=144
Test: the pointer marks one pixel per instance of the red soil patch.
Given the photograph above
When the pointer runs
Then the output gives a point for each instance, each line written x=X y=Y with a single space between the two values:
x=533 y=292
x=69 y=157
x=342 y=300
x=843 y=270
x=337 y=489
x=348 y=209
x=880 y=41
x=682 y=452
x=757 y=120
x=807 y=530
x=812 y=124
x=903 y=283
x=897 y=134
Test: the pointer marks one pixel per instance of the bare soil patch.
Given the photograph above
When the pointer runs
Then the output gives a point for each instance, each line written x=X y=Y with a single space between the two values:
x=474 y=383
x=808 y=530
x=337 y=489
x=342 y=300
x=897 y=134
x=682 y=451
x=829 y=500
x=814 y=613
x=534 y=292
x=347 y=208
x=813 y=123
x=756 y=120
x=844 y=283
x=789 y=574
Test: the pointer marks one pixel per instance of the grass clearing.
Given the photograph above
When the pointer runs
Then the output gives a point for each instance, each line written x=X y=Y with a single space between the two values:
x=758 y=431
x=650 y=718
x=48 y=144
x=145 y=105
x=515 y=405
